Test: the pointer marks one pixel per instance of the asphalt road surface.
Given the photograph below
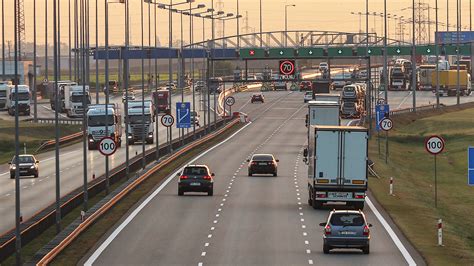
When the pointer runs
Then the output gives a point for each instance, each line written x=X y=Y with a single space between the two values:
x=259 y=220
x=38 y=193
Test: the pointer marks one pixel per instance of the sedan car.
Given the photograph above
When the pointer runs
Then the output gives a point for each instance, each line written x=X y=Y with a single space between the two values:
x=346 y=229
x=196 y=178
x=263 y=164
x=28 y=166
x=306 y=85
x=257 y=97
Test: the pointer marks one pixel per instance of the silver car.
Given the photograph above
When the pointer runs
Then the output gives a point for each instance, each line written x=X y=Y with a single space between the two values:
x=346 y=229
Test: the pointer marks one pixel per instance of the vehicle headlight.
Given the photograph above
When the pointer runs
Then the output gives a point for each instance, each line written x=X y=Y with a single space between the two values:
x=13 y=167
x=32 y=167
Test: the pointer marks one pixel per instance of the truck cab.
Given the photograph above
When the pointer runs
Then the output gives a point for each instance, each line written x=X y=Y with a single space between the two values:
x=24 y=98
x=97 y=126
x=140 y=122
x=398 y=78
x=52 y=94
x=74 y=100
x=161 y=101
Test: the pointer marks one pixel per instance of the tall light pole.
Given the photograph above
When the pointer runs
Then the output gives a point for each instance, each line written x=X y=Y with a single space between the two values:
x=3 y=39
x=385 y=59
x=261 y=24
x=35 y=96
x=458 y=28
x=286 y=23
x=97 y=87
x=413 y=59
x=437 y=56
x=238 y=25
x=46 y=40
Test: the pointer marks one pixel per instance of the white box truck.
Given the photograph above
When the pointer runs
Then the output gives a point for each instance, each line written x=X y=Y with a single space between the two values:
x=74 y=100
x=337 y=165
x=96 y=124
x=323 y=113
x=24 y=100
x=140 y=121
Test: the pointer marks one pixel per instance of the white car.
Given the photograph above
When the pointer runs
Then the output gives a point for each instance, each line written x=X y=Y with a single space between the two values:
x=308 y=96
x=323 y=66
x=131 y=96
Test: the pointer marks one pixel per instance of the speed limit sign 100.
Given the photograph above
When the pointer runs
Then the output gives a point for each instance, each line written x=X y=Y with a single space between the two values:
x=107 y=146
x=434 y=144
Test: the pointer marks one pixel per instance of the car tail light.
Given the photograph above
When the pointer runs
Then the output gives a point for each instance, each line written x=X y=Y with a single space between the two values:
x=183 y=177
x=271 y=162
x=207 y=177
x=359 y=196
x=366 y=230
x=320 y=194
x=254 y=163
x=327 y=230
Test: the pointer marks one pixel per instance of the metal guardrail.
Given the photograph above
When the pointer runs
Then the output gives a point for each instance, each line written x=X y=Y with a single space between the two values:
x=45 y=218
x=410 y=110
x=60 y=121
x=66 y=139
x=54 y=247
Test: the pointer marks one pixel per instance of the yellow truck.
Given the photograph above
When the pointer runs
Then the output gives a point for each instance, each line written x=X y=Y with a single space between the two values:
x=448 y=82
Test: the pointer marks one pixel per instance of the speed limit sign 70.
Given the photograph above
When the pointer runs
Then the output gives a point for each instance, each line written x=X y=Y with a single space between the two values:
x=167 y=120
x=386 y=124
x=434 y=144
x=107 y=146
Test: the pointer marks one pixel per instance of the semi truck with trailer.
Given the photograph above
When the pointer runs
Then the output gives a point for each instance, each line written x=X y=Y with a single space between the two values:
x=448 y=82
x=337 y=165
x=97 y=126
x=74 y=100
x=24 y=100
x=140 y=122
x=52 y=94
x=424 y=77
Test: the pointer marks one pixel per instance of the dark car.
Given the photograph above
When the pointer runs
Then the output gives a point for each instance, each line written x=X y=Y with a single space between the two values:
x=263 y=164
x=28 y=166
x=257 y=97
x=196 y=178
x=346 y=229
x=306 y=85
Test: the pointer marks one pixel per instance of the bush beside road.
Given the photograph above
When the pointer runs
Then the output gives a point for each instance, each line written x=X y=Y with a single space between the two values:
x=412 y=168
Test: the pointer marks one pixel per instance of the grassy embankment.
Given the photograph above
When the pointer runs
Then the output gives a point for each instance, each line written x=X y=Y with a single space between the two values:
x=31 y=134
x=413 y=208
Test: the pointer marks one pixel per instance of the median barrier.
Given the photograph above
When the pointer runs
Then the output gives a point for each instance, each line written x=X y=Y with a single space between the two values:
x=63 y=140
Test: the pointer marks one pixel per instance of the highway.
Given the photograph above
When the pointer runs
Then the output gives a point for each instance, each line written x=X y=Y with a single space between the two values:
x=259 y=220
x=38 y=193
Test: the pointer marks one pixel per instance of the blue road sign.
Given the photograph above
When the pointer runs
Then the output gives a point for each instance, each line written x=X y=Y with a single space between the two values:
x=381 y=111
x=450 y=37
x=183 y=115
x=470 y=170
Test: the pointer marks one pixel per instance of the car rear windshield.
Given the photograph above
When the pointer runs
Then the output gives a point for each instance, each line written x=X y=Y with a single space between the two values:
x=262 y=158
x=195 y=171
x=347 y=219
x=349 y=89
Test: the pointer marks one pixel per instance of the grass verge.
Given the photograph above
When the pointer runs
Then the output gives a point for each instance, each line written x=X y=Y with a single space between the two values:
x=31 y=135
x=81 y=245
x=413 y=208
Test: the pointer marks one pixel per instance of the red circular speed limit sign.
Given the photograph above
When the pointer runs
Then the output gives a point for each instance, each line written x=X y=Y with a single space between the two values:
x=386 y=124
x=434 y=144
x=287 y=67
x=107 y=146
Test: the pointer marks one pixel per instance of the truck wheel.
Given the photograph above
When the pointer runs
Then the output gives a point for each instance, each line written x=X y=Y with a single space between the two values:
x=317 y=204
x=36 y=174
x=119 y=142
x=12 y=176
x=180 y=192
x=131 y=142
x=149 y=141
x=358 y=205
x=210 y=192
x=310 y=200
x=91 y=146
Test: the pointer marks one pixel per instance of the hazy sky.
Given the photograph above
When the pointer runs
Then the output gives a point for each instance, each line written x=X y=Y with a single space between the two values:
x=308 y=14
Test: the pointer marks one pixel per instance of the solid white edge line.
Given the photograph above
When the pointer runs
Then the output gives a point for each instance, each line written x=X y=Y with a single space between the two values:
x=391 y=233
x=135 y=212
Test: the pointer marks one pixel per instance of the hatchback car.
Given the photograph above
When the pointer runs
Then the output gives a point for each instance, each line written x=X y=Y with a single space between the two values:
x=257 y=97
x=346 y=229
x=308 y=96
x=28 y=166
x=196 y=178
x=263 y=164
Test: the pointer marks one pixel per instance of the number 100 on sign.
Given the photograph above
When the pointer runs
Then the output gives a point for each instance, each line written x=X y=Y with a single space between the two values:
x=434 y=144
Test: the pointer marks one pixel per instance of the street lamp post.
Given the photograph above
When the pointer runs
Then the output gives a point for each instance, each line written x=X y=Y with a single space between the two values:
x=261 y=24
x=413 y=59
x=286 y=23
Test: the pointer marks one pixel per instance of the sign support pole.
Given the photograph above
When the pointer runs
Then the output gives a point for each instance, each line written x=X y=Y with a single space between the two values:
x=386 y=147
x=436 y=182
